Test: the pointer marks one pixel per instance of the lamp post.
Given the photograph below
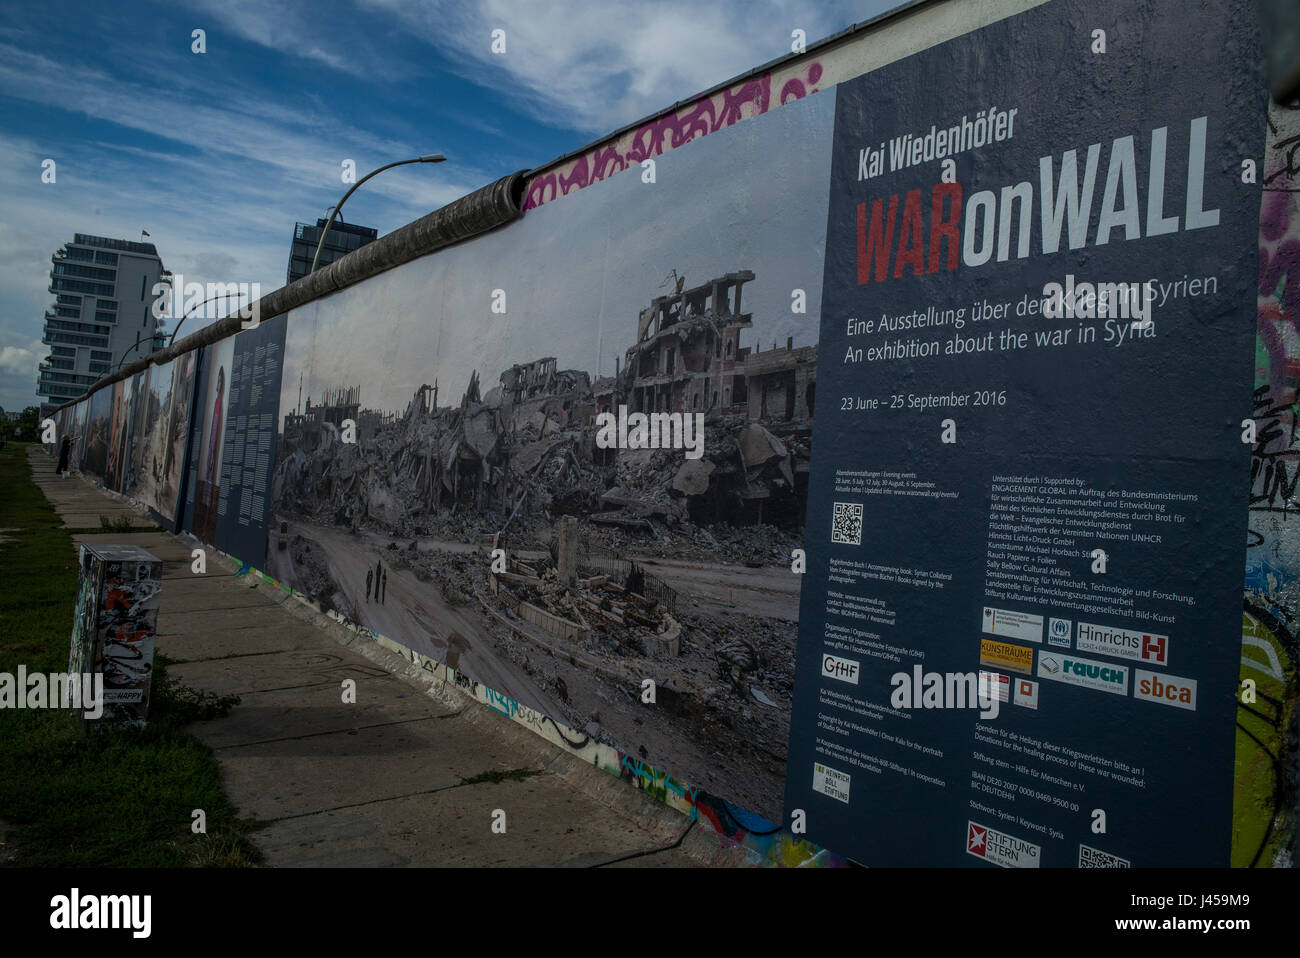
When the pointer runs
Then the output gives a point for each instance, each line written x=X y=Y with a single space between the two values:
x=192 y=309
x=428 y=158
x=188 y=312
x=138 y=341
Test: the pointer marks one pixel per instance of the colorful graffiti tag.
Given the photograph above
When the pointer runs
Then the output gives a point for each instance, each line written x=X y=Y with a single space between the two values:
x=1265 y=816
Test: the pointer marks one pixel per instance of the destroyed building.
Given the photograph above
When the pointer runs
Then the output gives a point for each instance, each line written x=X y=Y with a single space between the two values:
x=525 y=452
x=688 y=357
x=781 y=383
x=308 y=430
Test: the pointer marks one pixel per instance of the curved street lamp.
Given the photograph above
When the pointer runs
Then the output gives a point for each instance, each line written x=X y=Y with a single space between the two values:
x=138 y=341
x=428 y=158
x=187 y=315
x=192 y=309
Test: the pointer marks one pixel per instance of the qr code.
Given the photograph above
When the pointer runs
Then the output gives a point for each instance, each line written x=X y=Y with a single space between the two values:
x=1096 y=858
x=846 y=523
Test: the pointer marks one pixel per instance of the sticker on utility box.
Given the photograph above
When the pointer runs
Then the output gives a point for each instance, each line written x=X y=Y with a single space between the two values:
x=830 y=782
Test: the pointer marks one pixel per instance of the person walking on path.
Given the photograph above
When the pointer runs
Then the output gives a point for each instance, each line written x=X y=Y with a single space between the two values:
x=65 y=452
x=370 y=575
x=384 y=587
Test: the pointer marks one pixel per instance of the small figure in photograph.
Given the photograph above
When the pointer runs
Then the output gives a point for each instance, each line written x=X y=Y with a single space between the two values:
x=370 y=578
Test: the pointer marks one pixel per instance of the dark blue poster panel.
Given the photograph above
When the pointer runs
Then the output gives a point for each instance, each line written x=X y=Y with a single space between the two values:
x=248 y=443
x=1020 y=624
x=187 y=519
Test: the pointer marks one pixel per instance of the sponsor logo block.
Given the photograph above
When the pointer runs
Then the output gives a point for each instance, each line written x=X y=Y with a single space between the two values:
x=1004 y=655
x=994 y=686
x=1059 y=633
x=1000 y=848
x=845 y=670
x=1166 y=689
x=830 y=782
x=1061 y=667
x=1125 y=643
x=1095 y=858
x=1026 y=693
x=1013 y=625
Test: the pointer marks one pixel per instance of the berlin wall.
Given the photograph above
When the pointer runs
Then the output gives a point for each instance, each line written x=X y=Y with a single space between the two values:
x=995 y=357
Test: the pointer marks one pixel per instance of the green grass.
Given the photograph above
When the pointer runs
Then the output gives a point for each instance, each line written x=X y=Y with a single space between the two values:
x=119 y=524
x=94 y=796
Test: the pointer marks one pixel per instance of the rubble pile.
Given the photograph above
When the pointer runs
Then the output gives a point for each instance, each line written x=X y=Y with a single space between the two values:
x=313 y=576
x=757 y=545
x=525 y=452
x=611 y=618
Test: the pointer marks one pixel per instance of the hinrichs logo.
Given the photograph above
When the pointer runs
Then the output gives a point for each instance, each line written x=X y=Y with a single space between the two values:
x=1125 y=643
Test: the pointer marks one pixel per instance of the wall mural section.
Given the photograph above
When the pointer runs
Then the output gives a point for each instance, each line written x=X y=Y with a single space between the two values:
x=476 y=390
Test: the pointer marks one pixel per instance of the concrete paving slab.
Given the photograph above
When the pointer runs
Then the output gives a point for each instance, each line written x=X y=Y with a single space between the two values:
x=546 y=823
x=188 y=587
x=185 y=643
x=316 y=773
x=211 y=599
x=668 y=858
x=263 y=717
x=163 y=546
x=323 y=665
x=176 y=618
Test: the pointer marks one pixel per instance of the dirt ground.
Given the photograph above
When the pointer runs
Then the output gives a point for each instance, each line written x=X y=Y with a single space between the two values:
x=728 y=734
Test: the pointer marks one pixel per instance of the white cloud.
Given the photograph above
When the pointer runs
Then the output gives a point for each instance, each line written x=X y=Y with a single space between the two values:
x=586 y=64
x=19 y=361
x=599 y=66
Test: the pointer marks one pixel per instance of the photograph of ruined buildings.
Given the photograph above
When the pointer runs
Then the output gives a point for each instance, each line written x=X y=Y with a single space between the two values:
x=619 y=565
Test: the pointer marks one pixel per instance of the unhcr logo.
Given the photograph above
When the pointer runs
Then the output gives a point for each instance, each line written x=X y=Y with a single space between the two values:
x=656 y=430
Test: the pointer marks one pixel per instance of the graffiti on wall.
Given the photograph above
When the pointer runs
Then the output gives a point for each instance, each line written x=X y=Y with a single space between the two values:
x=1264 y=823
x=741 y=101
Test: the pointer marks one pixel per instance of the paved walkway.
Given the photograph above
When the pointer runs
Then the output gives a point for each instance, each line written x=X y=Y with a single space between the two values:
x=381 y=782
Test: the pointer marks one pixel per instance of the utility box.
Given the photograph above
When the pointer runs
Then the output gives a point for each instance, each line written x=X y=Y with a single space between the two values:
x=115 y=626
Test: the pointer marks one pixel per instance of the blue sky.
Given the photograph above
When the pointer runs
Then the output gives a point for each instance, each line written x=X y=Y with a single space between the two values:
x=752 y=196
x=217 y=154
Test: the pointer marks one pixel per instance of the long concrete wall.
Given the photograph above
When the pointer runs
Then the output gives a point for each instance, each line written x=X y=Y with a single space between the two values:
x=327 y=513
